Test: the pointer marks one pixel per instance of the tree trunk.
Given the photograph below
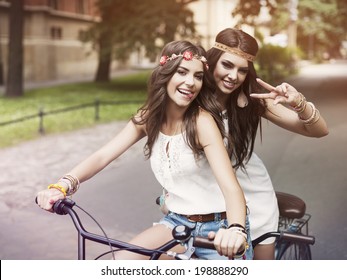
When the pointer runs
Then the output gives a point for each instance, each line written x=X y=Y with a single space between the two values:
x=14 y=87
x=105 y=58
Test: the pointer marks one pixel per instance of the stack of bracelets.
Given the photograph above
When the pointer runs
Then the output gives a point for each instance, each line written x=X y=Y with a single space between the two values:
x=239 y=229
x=301 y=106
x=70 y=182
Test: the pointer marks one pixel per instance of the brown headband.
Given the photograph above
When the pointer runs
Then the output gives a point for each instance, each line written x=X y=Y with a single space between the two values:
x=236 y=51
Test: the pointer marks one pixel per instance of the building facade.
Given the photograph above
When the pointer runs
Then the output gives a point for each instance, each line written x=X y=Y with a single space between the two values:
x=52 y=49
x=52 y=28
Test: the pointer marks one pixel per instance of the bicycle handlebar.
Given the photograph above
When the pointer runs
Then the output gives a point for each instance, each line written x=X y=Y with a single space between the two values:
x=181 y=234
x=286 y=236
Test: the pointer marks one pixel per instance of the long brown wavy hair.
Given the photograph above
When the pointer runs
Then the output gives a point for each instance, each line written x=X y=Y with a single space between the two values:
x=243 y=122
x=153 y=112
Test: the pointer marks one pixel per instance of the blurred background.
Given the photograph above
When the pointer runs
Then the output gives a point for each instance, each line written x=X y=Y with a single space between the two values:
x=73 y=71
x=47 y=40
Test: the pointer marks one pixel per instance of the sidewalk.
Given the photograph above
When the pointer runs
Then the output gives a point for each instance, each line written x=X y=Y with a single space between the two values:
x=30 y=166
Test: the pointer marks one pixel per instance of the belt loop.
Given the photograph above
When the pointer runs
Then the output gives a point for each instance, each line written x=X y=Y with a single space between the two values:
x=217 y=217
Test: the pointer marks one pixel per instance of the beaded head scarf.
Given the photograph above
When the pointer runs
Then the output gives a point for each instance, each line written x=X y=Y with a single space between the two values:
x=187 y=55
x=235 y=51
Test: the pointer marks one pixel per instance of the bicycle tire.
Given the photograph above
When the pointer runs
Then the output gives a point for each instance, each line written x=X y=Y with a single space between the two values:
x=293 y=251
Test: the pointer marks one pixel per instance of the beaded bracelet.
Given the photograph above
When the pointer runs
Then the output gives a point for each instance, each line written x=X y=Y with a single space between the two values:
x=316 y=119
x=314 y=116
x=58 y=187
x=242 y=233
x=72 y=182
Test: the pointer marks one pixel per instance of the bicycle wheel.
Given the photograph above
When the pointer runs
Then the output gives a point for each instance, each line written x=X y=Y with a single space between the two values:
x=293 y=251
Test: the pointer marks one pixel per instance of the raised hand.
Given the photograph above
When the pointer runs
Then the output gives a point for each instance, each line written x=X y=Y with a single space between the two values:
x=284 y=94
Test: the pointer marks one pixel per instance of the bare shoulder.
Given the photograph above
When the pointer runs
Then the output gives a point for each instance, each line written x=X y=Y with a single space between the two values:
x=139 y=122
x=206 y=125
x=204 y=118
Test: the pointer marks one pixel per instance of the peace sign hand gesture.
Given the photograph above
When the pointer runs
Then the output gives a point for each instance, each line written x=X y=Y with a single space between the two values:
x=284 y=94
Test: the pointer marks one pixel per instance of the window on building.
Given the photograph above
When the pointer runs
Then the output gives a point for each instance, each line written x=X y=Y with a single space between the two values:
x=53 y=4
x=83 y=35
x=81 y=7
x=56 y=33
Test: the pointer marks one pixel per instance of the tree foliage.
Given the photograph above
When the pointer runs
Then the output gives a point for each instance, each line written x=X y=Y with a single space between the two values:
x=321 y=24
x=128 y=26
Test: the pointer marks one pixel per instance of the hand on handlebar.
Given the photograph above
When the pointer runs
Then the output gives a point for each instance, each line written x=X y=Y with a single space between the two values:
x=228 y=242
x=47 y=198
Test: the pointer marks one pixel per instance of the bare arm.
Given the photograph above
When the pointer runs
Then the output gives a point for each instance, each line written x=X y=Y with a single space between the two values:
x=129 y=135
x=280 y=102
x=227 y=242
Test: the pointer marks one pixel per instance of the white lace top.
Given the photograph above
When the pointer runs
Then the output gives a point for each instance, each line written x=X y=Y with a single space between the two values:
x=190 y=183
x=259 y=193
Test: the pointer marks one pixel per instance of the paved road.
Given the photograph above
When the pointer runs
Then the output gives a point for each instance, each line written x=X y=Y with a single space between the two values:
x=122 y=196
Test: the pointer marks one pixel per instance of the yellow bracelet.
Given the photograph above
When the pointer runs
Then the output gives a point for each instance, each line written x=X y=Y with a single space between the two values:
x=241 y=254
x=56 y=186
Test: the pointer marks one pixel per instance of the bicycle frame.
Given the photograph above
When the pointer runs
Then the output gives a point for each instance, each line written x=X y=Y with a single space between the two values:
x=63 y=207
x=181 y=235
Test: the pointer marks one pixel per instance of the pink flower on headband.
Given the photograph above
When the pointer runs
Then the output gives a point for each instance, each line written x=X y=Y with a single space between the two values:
x=163 y=60
x=187 y=55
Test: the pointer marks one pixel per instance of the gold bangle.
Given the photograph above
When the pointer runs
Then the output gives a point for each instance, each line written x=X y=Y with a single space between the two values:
x=302 y=109
x=74 y=183
x=301 y=105
x=315 y=119
x=314 y=114
x=240 y=255
x=58 y=187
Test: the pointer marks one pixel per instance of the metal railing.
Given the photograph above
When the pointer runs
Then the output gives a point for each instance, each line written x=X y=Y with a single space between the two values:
x=42 y=113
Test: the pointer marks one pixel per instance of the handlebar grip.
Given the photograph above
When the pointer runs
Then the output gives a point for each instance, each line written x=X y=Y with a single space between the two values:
x=203 y=243
x=58 y=206
x=298 y=237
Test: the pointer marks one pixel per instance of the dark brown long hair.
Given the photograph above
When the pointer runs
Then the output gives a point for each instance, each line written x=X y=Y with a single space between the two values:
x=152 y=113
x=243 y=122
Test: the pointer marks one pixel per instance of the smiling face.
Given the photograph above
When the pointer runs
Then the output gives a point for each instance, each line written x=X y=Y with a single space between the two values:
x=186 y=83
x=230 y=72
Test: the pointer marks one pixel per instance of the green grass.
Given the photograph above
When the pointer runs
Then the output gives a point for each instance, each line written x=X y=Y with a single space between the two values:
x=128 y=88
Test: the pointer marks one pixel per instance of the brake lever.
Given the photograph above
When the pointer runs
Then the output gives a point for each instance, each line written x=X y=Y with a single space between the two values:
x=190 y=249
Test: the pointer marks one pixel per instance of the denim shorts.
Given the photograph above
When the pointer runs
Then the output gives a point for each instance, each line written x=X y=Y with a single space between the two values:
x=172 y=220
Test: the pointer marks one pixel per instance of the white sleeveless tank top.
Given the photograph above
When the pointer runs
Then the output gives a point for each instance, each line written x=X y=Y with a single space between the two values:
x=190 y=183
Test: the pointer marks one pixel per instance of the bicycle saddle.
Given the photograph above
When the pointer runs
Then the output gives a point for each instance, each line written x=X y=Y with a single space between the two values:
x=290 y=206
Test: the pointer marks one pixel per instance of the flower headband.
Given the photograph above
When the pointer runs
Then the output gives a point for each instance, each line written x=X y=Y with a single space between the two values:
x=187 y=55
x=236 y=51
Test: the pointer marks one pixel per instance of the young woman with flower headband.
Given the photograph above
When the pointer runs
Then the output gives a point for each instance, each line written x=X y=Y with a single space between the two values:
x=238 y=90
x=185 y=146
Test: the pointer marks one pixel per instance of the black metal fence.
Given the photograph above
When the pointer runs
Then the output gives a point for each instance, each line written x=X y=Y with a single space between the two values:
x=42 y=113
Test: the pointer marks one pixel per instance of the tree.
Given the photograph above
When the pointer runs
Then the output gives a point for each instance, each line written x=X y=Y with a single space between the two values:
x=128 y=26
x=14 y=86
x=321 y=24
